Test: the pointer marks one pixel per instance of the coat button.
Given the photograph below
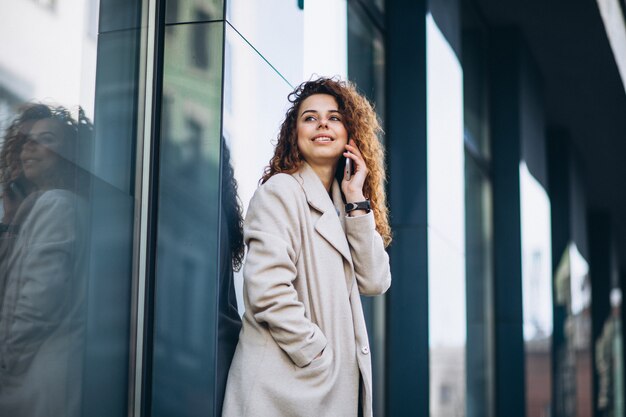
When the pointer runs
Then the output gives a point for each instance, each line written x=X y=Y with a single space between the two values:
x=365 y=350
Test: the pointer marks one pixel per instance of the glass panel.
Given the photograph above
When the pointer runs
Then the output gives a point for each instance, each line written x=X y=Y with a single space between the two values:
x=332 y=41
x=187 y=269
x=478 y=222
x=255 y=101
x=446 y=228
x=179 y=11
x=536 y=293
x=290 y=37
x=275 y=28
x=475 y=87
x=366 y=68
x=67 y=175
x=572 y=336
x=118 y=14
x=376 y=6
x=479 y=278
x=366 y=57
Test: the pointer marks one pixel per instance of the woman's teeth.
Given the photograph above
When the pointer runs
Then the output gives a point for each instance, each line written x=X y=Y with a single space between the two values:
x=322 y=139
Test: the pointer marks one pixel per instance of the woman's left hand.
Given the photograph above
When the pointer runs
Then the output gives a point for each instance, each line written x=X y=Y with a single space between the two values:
x=353 y=188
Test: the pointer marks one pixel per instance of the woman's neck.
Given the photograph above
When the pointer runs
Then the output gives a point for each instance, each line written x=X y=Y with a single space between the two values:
x=326 y=173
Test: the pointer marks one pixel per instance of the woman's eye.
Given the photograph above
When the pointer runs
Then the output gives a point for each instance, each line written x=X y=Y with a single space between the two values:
x=46 y=140
x=335 y=118
x=309 y=118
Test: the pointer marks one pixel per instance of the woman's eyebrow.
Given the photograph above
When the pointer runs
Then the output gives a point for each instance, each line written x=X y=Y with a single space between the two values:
x=315 y=111
x=38 y=134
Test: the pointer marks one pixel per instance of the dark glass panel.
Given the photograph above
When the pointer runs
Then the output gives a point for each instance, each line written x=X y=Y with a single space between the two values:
x=67 y=199
x=475 y=87
x=188 y=270
x=366 y=68
x=112 y=206
x=479 y=276
x=119 y=14
x=180 y=11
x=478 y=220
x=366 y=57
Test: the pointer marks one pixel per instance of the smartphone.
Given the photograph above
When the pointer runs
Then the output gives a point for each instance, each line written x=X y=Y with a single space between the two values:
x=348 y=169
x=17 y=189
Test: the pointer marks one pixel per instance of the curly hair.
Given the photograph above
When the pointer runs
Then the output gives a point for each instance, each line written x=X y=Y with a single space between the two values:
x=232 y=209
x=17 y=135
x=362 y=125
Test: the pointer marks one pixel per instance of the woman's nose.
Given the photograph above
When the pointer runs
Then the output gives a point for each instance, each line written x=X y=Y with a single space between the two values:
x=30 y=143
x=323 y=123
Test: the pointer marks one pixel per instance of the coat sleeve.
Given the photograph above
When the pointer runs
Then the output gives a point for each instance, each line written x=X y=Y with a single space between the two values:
x=272 y=234
x=371 y=262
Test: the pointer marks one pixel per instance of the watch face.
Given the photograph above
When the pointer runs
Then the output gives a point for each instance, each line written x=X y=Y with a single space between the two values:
x=362 y=205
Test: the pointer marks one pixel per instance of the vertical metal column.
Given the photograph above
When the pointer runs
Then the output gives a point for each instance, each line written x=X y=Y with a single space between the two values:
x=147 y=120
x=600 y=252
x=505 y=75
x=407 y=390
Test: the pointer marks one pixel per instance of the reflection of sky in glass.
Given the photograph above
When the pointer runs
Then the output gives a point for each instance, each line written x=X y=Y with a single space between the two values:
x=297 y=43
x=275 y=30
x=446 y=201
x=579 y=281
x=536 y=257
x=58 y=69
x=325 y=38
x=446 y=225
x=259 y=68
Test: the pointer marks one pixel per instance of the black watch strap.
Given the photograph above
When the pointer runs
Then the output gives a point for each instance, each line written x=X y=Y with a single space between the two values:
x=359 y=205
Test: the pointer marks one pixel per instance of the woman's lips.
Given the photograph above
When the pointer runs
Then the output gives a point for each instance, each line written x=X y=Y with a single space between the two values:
x=29 y=161
x=323 y=139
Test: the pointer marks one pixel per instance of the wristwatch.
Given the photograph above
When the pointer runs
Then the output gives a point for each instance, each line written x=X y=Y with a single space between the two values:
x=359 y=205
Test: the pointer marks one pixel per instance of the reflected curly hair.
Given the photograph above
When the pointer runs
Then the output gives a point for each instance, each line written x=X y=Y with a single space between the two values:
x=363 y=127
x=16 y=136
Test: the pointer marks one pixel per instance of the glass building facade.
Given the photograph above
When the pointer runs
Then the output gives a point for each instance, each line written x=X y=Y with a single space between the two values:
x=134 y=134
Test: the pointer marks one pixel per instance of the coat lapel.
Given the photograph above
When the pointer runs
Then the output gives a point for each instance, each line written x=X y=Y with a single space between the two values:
x=331 y=224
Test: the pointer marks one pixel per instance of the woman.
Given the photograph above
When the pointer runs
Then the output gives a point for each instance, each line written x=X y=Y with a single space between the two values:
x=42 y=302
x=303 y=349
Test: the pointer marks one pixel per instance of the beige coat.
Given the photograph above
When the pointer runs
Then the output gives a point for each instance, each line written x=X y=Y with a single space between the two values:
x=307 y=263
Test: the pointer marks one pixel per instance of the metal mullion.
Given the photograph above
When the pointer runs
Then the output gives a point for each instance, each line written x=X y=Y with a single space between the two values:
x=147 y=114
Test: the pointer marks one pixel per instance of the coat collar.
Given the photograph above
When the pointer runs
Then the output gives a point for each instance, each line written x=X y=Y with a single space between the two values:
x=331 y=224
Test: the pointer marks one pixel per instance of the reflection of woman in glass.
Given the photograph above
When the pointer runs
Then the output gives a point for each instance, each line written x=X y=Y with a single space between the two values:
x=42 y=301
x=303 y=349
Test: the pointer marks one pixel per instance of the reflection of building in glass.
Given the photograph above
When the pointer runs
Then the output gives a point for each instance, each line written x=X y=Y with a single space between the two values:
x=447 y=394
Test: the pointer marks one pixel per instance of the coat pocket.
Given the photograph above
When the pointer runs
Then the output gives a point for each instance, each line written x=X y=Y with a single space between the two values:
x=317 y=366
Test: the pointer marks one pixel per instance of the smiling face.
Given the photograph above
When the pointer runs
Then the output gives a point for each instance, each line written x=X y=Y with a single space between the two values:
x=40 y=154
x=322 y=136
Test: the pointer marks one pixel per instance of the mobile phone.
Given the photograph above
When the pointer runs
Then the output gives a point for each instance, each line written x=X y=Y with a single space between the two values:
x=348 y=168
x=17 y=189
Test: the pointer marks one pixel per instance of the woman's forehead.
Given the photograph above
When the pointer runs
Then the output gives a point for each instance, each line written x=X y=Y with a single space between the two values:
x=319 y=102
x=46 y=125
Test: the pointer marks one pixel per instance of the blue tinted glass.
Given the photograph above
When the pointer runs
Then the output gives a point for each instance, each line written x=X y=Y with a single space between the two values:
x=180 y=11
x=479 y=279
x=118 y=14
x=188 y=246
x=68 y=106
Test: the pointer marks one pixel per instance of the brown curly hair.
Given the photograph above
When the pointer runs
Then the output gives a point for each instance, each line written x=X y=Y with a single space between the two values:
x=69 y=176
x=363 y=127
